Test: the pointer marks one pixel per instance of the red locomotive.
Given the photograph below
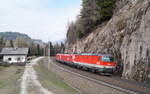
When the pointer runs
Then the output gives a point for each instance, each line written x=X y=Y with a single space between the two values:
x=97 y=62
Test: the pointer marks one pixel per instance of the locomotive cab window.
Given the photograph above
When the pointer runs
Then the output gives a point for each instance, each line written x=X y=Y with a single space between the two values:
x=107 y=59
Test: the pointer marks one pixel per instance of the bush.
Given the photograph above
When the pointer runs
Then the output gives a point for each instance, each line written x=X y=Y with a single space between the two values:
x=106 y=9
x=80 y=34
x=93 y=13
x=121 y=24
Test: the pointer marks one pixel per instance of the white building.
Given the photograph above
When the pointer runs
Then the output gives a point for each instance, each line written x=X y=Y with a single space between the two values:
x=14 y=55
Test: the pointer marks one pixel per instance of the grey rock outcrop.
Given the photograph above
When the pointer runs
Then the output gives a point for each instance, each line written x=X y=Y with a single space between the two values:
x=126 y=36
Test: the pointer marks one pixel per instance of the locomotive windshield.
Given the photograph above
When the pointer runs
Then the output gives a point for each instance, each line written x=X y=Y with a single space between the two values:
x=107 y=59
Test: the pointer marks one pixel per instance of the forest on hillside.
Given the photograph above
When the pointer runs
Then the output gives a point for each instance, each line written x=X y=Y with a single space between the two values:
x=93 y=13
x=36 y=47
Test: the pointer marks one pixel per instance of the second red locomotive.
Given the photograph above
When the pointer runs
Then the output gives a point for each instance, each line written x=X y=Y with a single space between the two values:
x=97 y=62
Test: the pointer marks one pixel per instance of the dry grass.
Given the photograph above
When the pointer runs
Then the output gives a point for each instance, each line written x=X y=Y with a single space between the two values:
x=51 y=81
x=10 y=78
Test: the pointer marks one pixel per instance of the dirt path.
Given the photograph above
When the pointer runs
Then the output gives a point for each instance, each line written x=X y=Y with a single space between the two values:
x=30 y=84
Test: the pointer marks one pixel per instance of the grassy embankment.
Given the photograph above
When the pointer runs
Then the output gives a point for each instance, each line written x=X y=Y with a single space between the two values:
x=51 y=81
x=10 y=78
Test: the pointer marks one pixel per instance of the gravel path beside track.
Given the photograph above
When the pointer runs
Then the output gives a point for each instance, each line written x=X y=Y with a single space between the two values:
x=30 y=84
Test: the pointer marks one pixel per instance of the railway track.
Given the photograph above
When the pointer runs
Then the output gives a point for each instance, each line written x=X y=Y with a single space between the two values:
x=113 y=82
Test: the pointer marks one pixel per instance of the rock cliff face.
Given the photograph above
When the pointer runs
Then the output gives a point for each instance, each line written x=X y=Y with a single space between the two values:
x=126 y=36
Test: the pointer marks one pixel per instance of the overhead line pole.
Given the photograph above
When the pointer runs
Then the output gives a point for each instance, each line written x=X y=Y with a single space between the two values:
x=49 y=54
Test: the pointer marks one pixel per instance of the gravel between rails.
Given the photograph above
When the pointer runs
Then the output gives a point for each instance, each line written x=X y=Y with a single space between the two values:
x=112 y=80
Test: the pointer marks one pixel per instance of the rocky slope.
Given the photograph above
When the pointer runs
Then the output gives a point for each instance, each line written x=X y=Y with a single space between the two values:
x=126 y=36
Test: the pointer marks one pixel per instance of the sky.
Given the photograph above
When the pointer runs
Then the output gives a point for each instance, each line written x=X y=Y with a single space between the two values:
x=40 y=19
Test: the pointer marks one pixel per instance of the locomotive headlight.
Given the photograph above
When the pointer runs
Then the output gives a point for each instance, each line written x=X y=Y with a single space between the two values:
x=98 y=63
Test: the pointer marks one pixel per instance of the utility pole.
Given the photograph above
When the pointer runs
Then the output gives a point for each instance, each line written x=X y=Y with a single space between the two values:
x=44 y=51
x=49 y=53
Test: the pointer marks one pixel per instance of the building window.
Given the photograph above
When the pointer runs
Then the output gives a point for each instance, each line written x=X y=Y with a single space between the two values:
x=18 y=59
x=9 y=59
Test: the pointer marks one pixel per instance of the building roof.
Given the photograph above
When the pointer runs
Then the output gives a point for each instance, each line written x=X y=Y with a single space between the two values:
x=14 y=51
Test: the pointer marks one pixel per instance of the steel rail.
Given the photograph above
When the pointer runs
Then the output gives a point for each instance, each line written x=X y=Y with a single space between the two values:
x=99 y=82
